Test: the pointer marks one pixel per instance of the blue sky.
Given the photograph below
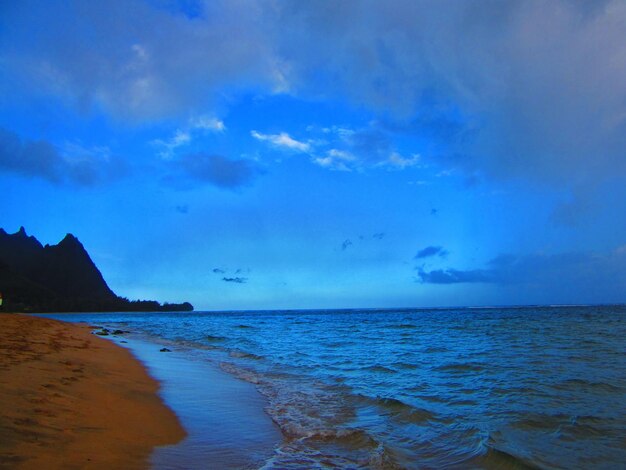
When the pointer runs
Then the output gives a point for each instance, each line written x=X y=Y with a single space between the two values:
x=252 y=155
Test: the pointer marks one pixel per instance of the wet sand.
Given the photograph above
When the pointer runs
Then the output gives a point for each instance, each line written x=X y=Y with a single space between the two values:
x=224 y=416
x=69 y=399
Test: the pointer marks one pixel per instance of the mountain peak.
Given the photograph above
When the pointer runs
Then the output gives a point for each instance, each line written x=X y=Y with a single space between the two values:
x=69 y=239
x=60 y=277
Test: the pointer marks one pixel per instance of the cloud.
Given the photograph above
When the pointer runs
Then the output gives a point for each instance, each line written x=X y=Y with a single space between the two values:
x=216 y=170
x=533 y=90
x=336 y=159
x=378 y=235
x=282 y=140
x=207 y=123
x=184 y=136
x=346 y=244
x=371 y=144
x=395 y=160
x=430 y=251
x=139 y=61
x=182 y=209
x=370 y=147
x=576 y=273
x=169 y=146
x=237 y=280
x=219 y=271
x=71 y=164
x=454 y=276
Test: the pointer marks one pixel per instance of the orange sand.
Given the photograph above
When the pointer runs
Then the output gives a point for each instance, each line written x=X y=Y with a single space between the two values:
x=69 y=399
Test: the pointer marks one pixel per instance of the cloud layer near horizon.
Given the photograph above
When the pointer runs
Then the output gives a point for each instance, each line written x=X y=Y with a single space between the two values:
x=578 y=273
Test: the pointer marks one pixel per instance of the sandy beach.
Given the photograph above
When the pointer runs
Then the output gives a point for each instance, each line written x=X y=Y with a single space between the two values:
x=69 y=399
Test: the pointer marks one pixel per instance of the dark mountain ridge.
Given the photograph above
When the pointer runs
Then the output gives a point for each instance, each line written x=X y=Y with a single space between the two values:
x=59 y=278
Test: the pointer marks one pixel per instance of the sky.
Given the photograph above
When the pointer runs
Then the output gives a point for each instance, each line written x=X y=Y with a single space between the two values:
x=288 y=154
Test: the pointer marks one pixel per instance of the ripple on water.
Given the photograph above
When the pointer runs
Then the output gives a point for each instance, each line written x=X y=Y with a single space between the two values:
x=214 y=338
x=245 y=355
x=377 y=368
x=577 y=384
x=460 y=367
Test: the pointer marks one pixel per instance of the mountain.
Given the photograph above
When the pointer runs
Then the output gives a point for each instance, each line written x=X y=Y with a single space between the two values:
x=59 y=278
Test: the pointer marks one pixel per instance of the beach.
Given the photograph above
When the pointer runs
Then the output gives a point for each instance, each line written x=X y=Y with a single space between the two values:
x=506 y=388
x=69 y=399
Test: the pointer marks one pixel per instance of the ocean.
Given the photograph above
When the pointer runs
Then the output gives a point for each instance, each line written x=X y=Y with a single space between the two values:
x=492 y=388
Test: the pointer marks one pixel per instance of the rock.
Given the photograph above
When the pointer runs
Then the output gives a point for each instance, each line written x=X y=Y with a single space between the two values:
x=118 y=332
x=165 y=350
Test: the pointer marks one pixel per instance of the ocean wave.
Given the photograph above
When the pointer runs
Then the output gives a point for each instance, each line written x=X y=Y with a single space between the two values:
x=402 y=326
x=214 y=338
x=576 y=384
x=567 y=427
x=460 y=367
x=397 y=409
x=405 y=365
x=245 y=355
x=352 y=437
x=499 y=459
x=379 y=369
x=240 y=372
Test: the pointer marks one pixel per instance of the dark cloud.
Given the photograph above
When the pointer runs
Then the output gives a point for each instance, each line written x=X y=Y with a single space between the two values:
x=236 y=280
x=574 y=273
x=454 y=276
x=218 y=271
x=510 y=89
x=138 y=60
x=41 y=159
x=528 y=89
x=182 y=209
x=378 y=236
x=372 y=145
x=216 y=170
x=430 y=251
x=435 y=120
x=346 y=244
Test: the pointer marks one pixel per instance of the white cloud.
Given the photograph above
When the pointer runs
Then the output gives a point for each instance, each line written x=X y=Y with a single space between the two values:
x=183 y=137
x=399 y=162
x=282 y=140
x=336 y=159
x=207 y=123
x=349 y=149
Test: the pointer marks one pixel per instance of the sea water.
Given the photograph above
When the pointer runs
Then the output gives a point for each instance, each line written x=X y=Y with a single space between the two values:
x=496 y=388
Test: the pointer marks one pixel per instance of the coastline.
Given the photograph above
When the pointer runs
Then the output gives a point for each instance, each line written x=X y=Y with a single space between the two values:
x=224 y=416
x=69 y=399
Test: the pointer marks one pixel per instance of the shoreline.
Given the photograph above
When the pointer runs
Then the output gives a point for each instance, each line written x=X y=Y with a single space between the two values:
x=69 y=399
x=224 y=416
